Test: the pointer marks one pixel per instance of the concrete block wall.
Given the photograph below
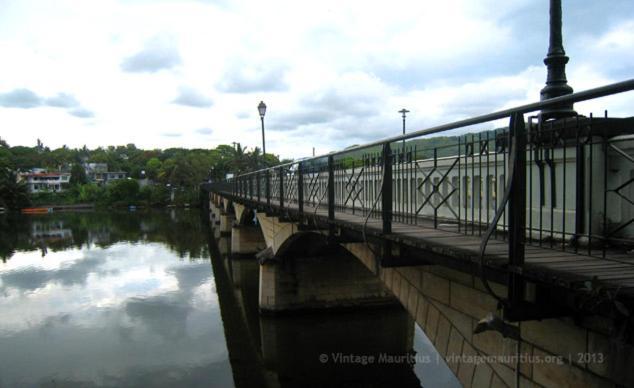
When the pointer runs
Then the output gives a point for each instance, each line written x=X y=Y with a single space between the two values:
x=447 y=305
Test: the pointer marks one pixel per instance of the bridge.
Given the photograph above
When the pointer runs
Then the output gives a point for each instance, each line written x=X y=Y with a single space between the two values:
x=513 y=241
x=272 y=351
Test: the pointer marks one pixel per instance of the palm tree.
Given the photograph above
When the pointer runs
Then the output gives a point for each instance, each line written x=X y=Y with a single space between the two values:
x=240 y=161
x=14 y=195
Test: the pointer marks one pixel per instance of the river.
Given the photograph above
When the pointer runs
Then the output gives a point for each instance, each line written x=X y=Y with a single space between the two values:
x=149 y=299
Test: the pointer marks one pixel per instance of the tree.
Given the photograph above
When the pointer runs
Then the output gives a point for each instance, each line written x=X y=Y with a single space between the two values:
x=78 y=175
x=123 y=191
x=14 y=195
x=152 y=168
x=91 y=193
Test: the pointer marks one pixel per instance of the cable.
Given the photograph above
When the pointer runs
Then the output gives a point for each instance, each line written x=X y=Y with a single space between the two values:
x=498 y=214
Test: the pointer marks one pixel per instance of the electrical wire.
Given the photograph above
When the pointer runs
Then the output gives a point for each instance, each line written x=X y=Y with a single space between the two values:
x=493 y=225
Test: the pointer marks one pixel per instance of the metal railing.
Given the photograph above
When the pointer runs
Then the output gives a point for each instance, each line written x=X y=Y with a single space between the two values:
x=574 y=179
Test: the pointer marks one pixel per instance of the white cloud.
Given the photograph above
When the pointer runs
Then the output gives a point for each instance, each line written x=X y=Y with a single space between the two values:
x=82 y=113
x=332 y=73
x=20 y=98
x=191 y=97
x=158 y=54
x=62 y=100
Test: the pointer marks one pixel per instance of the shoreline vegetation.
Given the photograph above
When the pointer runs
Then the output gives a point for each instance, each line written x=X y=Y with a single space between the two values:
x=155 y=178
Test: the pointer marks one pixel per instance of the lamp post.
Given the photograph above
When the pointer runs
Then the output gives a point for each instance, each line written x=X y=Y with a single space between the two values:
x=555 y=61
x=403 y=112
x=262 y=111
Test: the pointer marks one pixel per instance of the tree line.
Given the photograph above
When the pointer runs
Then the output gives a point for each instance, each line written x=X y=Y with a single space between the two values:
x=178 y=170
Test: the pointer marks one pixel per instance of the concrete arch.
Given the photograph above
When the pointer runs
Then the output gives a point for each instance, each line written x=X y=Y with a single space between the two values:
x=244 y=215
x=306 y=244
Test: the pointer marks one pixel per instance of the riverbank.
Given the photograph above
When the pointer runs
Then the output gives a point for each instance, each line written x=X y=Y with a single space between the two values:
x=91 y=207
x=78 y=206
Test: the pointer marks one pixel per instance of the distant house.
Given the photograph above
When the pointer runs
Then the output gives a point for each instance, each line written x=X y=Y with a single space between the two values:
x=95 y=171
x=39 y=181
x=112 y=176
x=99 y=174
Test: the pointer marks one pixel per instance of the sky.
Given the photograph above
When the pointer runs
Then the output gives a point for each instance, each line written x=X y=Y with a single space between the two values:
x=190 y=73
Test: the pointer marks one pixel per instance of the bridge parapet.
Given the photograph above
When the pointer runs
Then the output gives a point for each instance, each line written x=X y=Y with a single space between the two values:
x=562 y=185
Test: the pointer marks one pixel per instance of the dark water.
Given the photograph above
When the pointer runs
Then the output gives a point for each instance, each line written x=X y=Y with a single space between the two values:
x=151 y=299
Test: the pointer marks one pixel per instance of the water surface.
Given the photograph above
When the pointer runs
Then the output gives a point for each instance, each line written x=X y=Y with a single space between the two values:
x=103 y=299
x=151 y=299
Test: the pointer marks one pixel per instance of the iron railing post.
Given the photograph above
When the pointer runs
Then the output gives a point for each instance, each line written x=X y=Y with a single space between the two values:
x=300 y=188
x=281 y=187
x=580 y=211
x=386 y=202
x=386 y=189
x=257 y=185
x=517 y=209
x=268 y=188
x=331 y=193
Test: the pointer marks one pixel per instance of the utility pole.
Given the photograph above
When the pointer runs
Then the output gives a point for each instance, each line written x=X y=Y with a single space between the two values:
x=403 y=112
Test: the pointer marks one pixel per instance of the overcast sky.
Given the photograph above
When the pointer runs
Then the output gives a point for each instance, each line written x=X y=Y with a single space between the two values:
x=333 y=73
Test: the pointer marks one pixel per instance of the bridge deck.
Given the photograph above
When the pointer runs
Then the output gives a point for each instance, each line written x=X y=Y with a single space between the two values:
x=544 y=263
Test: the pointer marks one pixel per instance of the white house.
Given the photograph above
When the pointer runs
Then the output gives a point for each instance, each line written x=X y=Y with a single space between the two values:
x=38 y=182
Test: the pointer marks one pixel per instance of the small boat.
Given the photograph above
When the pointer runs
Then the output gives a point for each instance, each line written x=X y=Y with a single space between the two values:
x=36 y=210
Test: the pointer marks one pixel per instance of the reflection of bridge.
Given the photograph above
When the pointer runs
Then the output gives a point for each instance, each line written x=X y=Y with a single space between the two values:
x=532 y=223
x=276 y=351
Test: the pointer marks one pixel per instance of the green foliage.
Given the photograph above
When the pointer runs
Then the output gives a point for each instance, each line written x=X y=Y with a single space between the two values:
x=78 y=175
x=13 y=195
x=56 y=198
x=180 y=169
x=154 y=195
x=123 y=192
x=91 y=193
x=152 y=168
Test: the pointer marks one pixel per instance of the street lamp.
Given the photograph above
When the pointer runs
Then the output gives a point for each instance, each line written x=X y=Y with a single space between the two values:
x=262 y=111
x=403 y=112
x=555 y=61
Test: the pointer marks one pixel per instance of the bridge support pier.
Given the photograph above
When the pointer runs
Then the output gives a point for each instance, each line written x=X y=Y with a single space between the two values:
x=223 y=243
x=246 y=240
x=316 y=283
x=226 y=223
x=215 y=213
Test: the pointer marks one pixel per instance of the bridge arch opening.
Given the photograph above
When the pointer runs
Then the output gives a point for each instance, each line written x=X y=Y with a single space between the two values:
x=308 y=244
x=247 y=218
